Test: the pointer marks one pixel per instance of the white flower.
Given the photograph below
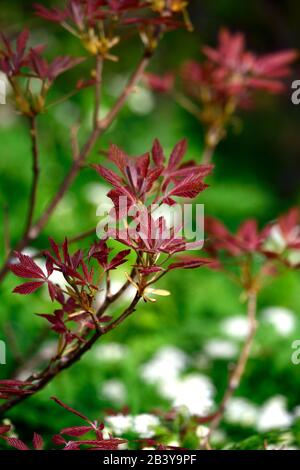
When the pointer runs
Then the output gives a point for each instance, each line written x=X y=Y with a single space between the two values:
x=166 y=365
x=144 y=425
x=111 y=352
x=241 y=411
x=119 y=424
x=193 y=392
x=220 y=349
x=236 y=326
x=114 y=390
x=281 y=318
x=274 y=414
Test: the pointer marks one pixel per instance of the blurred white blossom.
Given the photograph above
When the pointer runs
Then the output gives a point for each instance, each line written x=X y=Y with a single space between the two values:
x=220 y=349
x=114 y=390
x=282 y=319
x=119 y=424
x=166 y=365
x=236 y=326
x=193 y=392
x=242 y=411
x=144 y=424
x=141 y=102
x=274 y=414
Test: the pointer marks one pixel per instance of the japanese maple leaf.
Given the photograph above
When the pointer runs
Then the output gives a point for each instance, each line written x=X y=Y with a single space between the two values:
x=14 y=58
x=248 y=239
x=50 y=71
x=37 y=442
x=245 y=69
x=9 y=388
x=27 y=268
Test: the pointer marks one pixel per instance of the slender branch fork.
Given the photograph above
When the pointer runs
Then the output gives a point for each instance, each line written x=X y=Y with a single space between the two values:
x=99 y=127
x=239 y=369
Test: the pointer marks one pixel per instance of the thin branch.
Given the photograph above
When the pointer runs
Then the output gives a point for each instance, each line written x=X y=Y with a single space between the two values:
x=207 y=155
x=74 y=141
x=98 y=87
x=35 y=173
x=133 y=81
x=125 y=314
x=239 y=369
x=213 y=137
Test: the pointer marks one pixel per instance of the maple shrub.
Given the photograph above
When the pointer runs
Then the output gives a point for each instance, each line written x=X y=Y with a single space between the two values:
x=213 y=90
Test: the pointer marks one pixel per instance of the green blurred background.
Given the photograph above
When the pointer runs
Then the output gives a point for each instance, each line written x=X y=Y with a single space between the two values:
x=257 y=175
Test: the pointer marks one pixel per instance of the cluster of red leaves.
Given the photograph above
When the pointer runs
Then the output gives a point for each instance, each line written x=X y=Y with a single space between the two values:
x=142 y=181
x=231 y=71
x=277 y=241
x=227 y=78
x=96 y=442
x=23 y=60
x=141 y=177
x=22 y=63
x=146 y=182
x=85 y=14
x=77 y=299
x=246 y=240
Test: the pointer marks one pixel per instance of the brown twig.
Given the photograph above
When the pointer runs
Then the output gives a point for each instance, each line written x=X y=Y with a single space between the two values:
x=239 y=369
x=35 y=173
x=133 y=81
x=98 y=73
x=207 y=154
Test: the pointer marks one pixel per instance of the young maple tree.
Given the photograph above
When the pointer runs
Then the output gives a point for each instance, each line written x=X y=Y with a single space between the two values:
x=213 y=91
